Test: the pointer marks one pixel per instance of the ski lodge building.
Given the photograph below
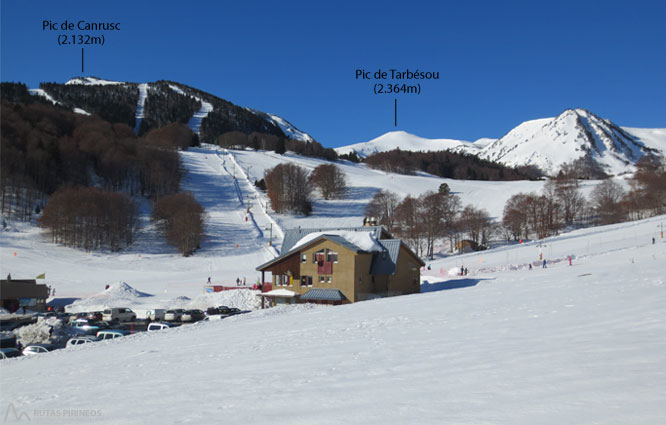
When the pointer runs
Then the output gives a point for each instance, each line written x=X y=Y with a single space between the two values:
x=340 y=266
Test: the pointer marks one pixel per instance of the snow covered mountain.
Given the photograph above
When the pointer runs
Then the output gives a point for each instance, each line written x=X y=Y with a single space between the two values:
x=546 y=143
x=410 y=142
x=575 y=133
x=153 y=104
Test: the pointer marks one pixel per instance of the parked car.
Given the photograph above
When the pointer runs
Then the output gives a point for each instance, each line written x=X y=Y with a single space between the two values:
x=79 y=340
x=157 y=326
x=83 y=326
x=192 y=316
x=173 y=315
x=8 y=352
x=110 y=334
x=234 y=310
x=119 y=314
x=76 y=316
x=222 y=309
x=33 y=349
x=157 y=314
x=95 y=316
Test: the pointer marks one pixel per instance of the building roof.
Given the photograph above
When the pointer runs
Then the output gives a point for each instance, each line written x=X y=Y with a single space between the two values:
x=22 y=288
x=292 y=236
x=385 y=251
x=284 y=293
x=386 y=261
x=320 y=294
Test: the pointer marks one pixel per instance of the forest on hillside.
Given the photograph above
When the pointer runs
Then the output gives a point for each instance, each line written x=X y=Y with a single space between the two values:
x=446 y=164
x=51 y=156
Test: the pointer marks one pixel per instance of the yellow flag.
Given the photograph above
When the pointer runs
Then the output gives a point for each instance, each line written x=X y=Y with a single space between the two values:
x=41 y=276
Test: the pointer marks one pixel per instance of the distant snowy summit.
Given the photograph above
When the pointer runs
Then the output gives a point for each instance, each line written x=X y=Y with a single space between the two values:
x=547 y=144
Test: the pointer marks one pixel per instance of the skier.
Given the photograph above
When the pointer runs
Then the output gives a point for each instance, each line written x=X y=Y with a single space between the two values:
x=209 y=280
x=544 y=264
x=570 y=260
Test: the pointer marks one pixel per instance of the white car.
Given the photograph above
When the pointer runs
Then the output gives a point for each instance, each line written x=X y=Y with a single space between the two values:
x=159 y=326
x=110 y=334
x=37 y=349
x=120 y=314
x=80 y=340
x=173 y=315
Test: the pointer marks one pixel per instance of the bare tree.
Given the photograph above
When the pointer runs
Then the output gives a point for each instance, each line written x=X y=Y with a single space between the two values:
x=330 y=180
x=570 y=199
x=182 y=221
x=606 y=199
x=382 y=206
x=476 y=222
x=289 y=188
x=409 y=223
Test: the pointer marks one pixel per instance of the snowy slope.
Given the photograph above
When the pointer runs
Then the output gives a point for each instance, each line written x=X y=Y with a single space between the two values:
x=143 y=95
x=289 y=129
x=407 y=142
x=195 y=122
x=566 y=344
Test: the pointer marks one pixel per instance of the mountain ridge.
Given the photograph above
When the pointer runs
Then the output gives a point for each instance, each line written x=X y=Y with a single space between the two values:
x=545 y=143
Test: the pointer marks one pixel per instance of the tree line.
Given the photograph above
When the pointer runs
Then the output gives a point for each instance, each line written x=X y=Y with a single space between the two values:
x=447 y=165
x=421 y=221
x=562 y=204
x=278 y=144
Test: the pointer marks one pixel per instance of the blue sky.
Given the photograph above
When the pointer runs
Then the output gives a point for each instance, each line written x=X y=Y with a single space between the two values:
x=500 y=63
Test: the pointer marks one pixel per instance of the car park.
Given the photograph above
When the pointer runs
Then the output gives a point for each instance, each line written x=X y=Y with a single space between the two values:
x=173 y=315
x=80 y=340
x=33 y=349
x=119 y=314
x=110 y=334
x=192 y=316
x=157 y=326
x=8 y=352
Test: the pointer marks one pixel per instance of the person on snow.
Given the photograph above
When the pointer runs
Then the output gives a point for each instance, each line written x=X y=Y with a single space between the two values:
x=570 y=260
x=544 y=264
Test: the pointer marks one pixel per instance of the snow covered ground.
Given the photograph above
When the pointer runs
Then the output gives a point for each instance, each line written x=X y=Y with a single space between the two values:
x=504 y=345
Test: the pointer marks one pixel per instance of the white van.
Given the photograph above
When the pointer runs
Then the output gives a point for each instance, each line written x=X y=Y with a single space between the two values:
x=120 y=314
x=157 y=314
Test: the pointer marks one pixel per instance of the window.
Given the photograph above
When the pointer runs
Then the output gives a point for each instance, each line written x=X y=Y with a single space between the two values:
x=329 y=279
x=306 y=280
x=319 y=256
x=304 y=258
x=321 y=279
x=331 y=256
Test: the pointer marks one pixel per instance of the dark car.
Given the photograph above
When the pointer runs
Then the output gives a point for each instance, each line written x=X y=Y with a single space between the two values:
x=94 y=316
x=192 y=316
x=234 y=310
x=212 y=311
